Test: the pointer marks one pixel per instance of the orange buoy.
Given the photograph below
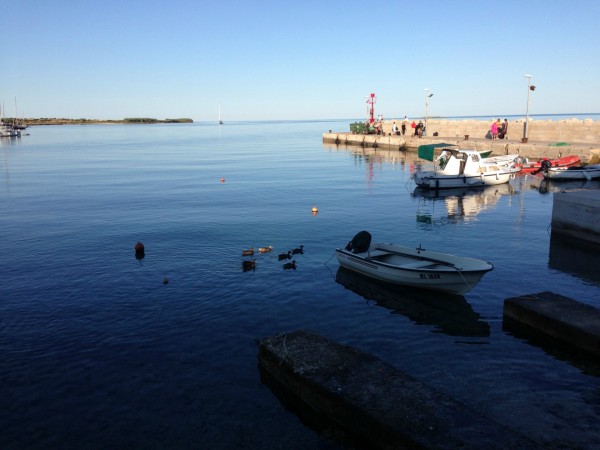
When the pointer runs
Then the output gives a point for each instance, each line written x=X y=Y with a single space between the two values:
x=222 y=180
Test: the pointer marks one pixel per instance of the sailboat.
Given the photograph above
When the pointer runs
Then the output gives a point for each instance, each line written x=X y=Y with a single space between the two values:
x=220 y=121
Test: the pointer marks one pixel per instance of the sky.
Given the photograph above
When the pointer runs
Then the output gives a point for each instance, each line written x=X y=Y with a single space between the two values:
x=302 y=60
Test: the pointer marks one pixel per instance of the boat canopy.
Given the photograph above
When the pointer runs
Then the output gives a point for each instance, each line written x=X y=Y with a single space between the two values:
x=427 y=151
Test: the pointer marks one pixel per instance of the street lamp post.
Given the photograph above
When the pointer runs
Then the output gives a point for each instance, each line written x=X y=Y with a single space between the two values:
x=526 y=124
x=427 y=97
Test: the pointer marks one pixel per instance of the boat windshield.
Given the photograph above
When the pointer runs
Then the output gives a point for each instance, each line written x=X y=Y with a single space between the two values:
x=444 y=158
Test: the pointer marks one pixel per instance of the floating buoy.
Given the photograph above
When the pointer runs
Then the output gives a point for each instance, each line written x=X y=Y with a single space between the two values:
x=315 y=209
x=139 y=250
x=165 y=280
x=222 y=180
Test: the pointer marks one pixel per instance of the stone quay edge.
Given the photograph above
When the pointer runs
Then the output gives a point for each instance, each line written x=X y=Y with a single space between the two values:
x=559 y=318
x=372 y=402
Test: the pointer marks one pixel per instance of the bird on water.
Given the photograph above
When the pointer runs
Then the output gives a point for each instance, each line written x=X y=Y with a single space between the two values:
x=290 y=265
x=283 y=256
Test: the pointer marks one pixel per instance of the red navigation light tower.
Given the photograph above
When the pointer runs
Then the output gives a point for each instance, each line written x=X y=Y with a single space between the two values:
x=371 y=101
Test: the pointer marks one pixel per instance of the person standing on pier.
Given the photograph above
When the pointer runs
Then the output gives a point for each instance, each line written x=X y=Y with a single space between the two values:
x=403 y=127
x=494 y=130
x=505 y=129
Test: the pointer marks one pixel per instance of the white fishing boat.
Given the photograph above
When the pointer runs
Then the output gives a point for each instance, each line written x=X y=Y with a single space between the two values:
x=460 y=168
x=415 y=267
x=589 y=172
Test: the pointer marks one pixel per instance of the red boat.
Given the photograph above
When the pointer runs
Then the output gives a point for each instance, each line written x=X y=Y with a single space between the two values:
x=564 y=161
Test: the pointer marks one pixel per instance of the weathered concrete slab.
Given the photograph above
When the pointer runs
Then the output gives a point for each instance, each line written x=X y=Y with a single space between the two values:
x=556 y=317
x=374 y=401
x=576 y=214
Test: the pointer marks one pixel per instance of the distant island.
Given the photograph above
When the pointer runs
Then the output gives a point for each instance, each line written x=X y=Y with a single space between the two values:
x=128 y=120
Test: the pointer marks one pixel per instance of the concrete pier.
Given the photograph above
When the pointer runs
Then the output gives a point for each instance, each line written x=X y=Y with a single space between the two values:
x=379 y=406
x=576 y=215
x=547 y=138
x=533 y=149
x=556 y=317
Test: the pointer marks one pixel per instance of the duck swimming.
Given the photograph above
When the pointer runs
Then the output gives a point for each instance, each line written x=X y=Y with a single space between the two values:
x=287 y=255
x=290 y=265
x=299 y=250
x=265 y=249
x=248 y=252
x=249 y=264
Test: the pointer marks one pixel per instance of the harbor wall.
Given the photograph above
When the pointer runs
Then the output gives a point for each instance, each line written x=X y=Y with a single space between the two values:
x=576 y=215
x=550 y=139
x=567 y=130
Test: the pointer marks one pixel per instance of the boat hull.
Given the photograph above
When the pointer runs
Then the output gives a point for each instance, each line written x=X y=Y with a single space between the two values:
x=566 y=173
x=432 y=180
x=417 y=268
x=565 y=161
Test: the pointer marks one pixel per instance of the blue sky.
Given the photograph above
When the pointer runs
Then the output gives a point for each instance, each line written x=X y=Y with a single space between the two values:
x=263 y=60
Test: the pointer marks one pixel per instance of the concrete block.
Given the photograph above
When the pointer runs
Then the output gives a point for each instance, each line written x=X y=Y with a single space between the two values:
x=375 y=404
x=556 y=317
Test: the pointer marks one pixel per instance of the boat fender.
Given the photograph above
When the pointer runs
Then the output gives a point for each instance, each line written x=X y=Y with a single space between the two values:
x=496 y=176
x=482 y=179
x=465 y=180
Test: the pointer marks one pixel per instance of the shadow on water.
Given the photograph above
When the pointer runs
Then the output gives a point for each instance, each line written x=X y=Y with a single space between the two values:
x=575 y=258
x=586 y=363
x=447 y=313
x=334 y=437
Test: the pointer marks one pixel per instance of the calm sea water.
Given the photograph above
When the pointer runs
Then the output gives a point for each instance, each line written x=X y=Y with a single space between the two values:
x=97 y=352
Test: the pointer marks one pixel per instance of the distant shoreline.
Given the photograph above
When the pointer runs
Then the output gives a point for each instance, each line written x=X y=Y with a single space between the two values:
x=128 y=121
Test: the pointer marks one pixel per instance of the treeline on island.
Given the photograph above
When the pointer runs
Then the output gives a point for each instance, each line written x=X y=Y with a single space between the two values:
x=62 y=121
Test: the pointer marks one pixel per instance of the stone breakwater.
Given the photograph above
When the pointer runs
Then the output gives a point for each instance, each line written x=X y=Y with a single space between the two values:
x=549 y=139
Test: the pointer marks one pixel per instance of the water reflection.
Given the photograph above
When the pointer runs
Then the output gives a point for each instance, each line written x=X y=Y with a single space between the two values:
x=586 y=363
x=575 y=258
x=544 y=186
x=461 y=204
x=449 y=314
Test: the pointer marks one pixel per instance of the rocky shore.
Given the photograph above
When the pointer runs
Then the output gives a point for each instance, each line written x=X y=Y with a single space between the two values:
x=62 y=121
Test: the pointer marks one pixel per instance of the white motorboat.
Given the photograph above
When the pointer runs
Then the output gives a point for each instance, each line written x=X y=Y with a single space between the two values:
x=461 y=168
x=415 y=267
x=589 y=172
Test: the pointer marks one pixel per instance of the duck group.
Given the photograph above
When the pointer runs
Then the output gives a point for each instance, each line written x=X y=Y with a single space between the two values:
x=250 y=264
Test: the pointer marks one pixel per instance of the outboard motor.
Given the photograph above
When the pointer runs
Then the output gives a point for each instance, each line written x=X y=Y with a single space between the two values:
x=360 y=242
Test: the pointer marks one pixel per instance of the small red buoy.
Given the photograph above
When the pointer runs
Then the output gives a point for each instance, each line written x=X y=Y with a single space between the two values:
x=222 y=180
